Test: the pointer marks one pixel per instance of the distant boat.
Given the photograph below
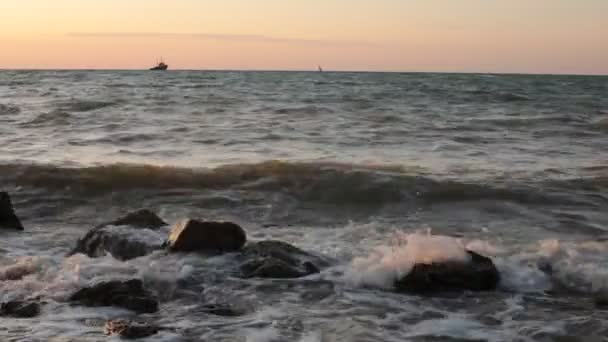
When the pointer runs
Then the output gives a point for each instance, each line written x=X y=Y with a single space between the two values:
x=320 y=69
x=160 y=66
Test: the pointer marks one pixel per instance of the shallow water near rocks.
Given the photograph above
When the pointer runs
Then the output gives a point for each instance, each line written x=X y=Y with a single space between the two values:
x=355 y=166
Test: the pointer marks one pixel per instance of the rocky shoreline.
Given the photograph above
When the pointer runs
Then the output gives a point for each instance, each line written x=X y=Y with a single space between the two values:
x=252 y=259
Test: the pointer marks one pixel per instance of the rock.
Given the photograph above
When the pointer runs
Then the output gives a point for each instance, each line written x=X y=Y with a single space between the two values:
x=20 y=309
x=479 y=274
x=601 y=299
x=8 y=218
x=277 y=259
x=206 y=236
x=120 y=243
x=129 y=330
x=271 y=268
x=143 y=218
x=601 y=302
x=129 y=294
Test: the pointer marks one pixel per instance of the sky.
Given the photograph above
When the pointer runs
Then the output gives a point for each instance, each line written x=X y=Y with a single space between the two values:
x=510 y=36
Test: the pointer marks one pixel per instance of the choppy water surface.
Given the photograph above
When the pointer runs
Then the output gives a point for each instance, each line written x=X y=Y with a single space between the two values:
x=335 y=163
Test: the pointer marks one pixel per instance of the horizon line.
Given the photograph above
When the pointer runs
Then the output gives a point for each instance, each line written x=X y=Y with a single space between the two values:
x=312 y=70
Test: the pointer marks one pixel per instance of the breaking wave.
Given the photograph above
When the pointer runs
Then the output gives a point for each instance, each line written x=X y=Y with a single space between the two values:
x=316 y=182
x=387 y=264
x=54 y=118
x=551 y=266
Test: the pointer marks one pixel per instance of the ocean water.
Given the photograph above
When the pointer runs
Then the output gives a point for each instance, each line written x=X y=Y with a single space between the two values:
x=360 y=167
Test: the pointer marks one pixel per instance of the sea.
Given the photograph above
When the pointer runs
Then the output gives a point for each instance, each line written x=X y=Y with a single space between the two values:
x=362 y=168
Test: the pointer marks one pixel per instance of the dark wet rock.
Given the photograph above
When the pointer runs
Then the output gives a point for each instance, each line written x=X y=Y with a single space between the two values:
x=99 y=242
x=544 y=265
x=206 y=236
x=143 y=218
x=601 y=300
x=271 y=268
x=129 y=330
x=479 y=274
x=277 y=259
x=8 y=218
x=129 y=294
x=20 y=309
x=121 y=244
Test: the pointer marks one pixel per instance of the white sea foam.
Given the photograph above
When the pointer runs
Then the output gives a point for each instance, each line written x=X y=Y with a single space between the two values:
x=21 y=268
x=385 y=264
x=312 y=337
x=552 y=264
x=269 y=334
x=577 y=265
x=457 y=326
x=57 y=278
x=519 y=274
x=484 y=247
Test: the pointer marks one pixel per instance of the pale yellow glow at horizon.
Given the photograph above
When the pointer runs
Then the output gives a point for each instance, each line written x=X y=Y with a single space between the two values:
x=542 y=36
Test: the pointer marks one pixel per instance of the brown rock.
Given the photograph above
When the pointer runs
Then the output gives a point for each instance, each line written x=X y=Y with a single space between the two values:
x=206 y=236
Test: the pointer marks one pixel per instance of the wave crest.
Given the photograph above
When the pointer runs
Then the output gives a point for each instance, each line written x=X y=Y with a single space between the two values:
x=54 y=118
x=84 y=105
x=317 y=182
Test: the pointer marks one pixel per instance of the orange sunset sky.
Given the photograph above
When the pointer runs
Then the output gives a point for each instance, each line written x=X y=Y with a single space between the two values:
x=522 y=36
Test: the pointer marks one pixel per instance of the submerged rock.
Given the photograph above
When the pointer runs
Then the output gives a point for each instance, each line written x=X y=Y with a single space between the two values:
x=206 y=236
x=478 y=274
x=277 y=259
x=8 y=218
x=123 y=245
x=129 y=294
x=129 y=330
x=20 y=309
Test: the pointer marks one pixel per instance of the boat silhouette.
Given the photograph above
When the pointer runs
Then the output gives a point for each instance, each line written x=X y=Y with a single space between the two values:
x=160 y=66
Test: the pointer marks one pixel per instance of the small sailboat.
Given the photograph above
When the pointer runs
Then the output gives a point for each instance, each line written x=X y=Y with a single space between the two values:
x=160 y=66
x=320 y=69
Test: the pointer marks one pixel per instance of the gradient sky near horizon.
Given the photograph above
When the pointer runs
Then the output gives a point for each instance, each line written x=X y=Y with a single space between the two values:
x=522 y=36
